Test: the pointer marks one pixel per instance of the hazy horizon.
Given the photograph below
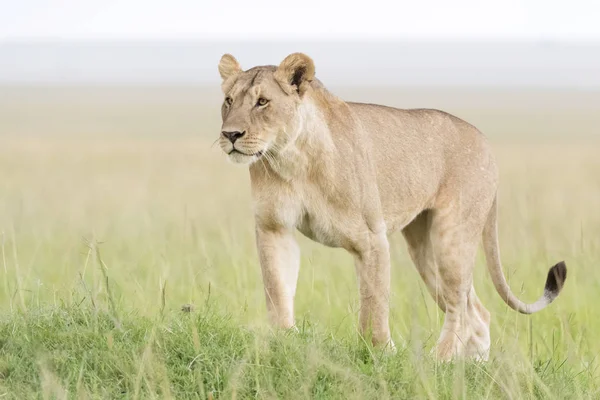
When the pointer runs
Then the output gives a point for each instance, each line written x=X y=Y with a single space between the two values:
x=546 y=64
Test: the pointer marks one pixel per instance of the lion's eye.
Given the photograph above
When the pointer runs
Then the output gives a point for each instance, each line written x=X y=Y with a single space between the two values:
x=228 y=100
x=262 y=102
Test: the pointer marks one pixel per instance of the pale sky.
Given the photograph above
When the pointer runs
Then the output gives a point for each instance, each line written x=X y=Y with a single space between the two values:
x=573 y=20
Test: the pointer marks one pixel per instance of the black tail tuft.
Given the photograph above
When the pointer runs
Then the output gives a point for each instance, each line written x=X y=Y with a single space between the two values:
x=556 y=279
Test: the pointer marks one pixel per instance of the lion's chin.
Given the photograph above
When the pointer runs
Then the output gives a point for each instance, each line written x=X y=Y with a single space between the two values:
x=240 y=158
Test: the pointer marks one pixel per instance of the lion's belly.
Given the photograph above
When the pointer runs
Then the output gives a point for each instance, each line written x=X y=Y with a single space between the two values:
x=399 y=219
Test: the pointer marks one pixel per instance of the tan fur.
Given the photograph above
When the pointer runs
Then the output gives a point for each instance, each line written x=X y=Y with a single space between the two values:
x=347 y=175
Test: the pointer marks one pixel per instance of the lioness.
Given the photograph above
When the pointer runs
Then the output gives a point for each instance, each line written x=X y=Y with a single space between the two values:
x=347 y=175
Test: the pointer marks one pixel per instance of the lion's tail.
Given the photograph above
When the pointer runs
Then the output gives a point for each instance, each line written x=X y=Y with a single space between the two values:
x=554 y=283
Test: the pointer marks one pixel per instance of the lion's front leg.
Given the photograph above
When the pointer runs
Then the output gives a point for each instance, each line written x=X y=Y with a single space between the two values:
x=373 y=270
x=280 y=262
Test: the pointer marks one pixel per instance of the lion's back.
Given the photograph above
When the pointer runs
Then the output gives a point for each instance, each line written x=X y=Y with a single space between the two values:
x=419 y=151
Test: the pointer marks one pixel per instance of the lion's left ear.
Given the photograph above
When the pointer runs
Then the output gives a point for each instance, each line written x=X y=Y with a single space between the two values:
x=297 y=71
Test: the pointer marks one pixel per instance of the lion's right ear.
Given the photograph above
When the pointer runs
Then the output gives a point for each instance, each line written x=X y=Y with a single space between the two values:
x=229 y=66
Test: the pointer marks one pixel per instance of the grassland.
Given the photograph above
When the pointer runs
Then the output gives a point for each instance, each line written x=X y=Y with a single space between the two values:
x=115 y=211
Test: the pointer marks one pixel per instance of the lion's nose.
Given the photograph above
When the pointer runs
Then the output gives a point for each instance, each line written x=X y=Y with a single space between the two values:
x=233 y=136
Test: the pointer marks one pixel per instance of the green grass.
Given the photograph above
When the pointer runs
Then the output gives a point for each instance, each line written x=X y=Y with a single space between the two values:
x=172 y=222
x=88 y=353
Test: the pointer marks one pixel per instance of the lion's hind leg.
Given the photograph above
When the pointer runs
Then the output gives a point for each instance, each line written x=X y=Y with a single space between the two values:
x=455 y=239
x=418 y=240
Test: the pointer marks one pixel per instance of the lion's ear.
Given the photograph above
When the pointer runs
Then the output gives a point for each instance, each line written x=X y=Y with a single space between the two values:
x=297 y=71
x=229 y=66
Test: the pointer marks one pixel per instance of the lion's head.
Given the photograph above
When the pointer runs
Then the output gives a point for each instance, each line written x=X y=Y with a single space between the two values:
x=261 y=106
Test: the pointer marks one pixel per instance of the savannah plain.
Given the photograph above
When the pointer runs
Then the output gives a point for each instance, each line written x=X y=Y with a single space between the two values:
x=128 y=267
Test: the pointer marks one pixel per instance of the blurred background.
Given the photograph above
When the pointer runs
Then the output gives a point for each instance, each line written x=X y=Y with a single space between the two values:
x=110 y=179
x=109 y=111
x=517 y=61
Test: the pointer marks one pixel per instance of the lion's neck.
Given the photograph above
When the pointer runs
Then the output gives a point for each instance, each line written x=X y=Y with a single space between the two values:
x=309 y=152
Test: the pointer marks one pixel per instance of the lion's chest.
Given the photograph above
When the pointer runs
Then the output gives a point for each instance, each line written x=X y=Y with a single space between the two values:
x=321 y=221
x=320 y=229
x=309 y=210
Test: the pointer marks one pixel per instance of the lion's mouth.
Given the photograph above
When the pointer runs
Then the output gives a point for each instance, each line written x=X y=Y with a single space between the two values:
x=236 y=151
